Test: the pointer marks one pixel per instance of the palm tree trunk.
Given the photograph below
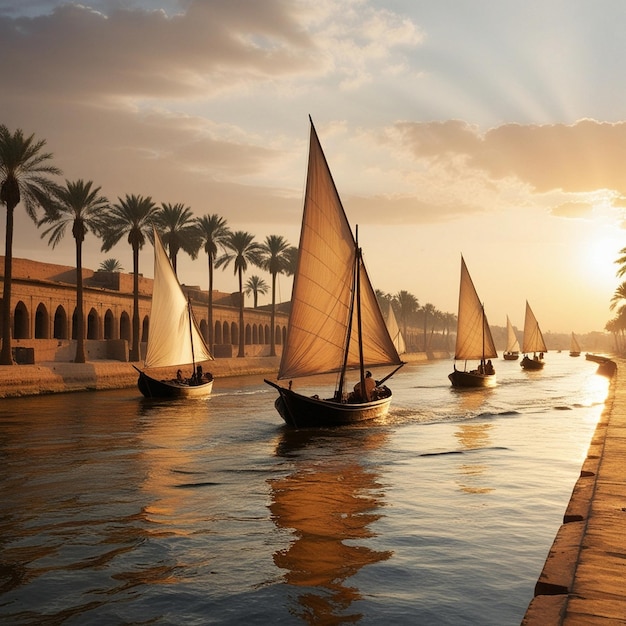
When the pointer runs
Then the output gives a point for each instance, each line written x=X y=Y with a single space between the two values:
x=80 y=317
x=210 y=306
x=241 y=331
x=273 y=317
x=6 y=357
x=134 y=353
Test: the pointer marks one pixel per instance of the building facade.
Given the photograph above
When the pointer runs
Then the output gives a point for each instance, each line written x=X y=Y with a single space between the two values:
x=43 y=309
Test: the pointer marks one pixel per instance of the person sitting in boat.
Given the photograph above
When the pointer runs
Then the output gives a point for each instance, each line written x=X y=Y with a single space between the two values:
x=179 y=377
x=489 y=368
x=370 y=385
x=196 y=377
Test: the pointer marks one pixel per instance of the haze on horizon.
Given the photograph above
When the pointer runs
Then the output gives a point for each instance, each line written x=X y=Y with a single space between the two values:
x=492 y=130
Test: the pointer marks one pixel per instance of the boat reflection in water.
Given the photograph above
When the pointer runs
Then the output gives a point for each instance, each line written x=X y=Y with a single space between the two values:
x=328 y=502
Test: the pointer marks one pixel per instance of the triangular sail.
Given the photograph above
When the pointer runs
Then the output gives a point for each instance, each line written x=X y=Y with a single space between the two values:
x=512 y=344
x=473 y=336
x=323 y=286
x=172 y=330
x=394 y=331
x=533 y=339
x=574 y=346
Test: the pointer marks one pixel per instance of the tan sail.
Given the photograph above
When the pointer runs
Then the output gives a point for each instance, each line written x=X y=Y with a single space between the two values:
x=533 y=339
x=512 y=344
x=394 y=331
x=473 y=335
x=174 y=337
x=323 y=286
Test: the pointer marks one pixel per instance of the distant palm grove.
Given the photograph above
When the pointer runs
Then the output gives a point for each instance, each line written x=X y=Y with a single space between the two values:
x=28 y=177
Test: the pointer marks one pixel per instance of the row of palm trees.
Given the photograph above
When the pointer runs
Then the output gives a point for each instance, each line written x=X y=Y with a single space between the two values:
x=26 y=176
x=617 y=325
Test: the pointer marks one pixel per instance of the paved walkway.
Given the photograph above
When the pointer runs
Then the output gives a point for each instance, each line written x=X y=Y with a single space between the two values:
x=583 y=582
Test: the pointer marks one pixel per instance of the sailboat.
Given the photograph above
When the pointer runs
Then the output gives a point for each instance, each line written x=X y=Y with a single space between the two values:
x=394 y=331
x=335 y=322
x=574 y=348
x=174 y=338
x=511 y=353
x=473 y=338
x=532 y=342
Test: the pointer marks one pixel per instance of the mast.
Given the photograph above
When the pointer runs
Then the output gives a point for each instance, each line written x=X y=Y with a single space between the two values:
x=346 y=352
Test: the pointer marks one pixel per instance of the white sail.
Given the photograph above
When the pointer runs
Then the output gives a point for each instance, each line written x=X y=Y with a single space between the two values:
x=473 y=335
x=512 y=344
x=319 y=321
x=533 y=338
x=394 y=331
x=574 y=346
x=174 y=337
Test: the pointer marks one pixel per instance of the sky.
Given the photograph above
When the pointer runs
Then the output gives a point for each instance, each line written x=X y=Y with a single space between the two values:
x=492 y=130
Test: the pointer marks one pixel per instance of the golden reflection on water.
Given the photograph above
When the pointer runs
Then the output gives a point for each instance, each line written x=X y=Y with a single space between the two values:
x=328 y=502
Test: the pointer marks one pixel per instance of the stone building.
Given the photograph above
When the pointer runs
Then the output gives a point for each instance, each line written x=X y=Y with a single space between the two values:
x=43 y=304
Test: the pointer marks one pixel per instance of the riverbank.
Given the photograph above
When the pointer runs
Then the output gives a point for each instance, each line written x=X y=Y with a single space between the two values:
x=63 y=377
x=582 y=581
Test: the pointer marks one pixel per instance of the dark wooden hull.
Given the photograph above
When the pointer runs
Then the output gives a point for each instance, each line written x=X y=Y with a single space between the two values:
x=510 y=356
x=532 y=364
x=574 y=353
x=311 y=412
x=471 y=379
x=153 y=388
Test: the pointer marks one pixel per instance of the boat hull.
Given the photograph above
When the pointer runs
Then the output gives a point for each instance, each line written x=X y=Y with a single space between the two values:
x=153 y=388
x=510 y=356
x=302 y=411
x=532 y=364
x=471 y=379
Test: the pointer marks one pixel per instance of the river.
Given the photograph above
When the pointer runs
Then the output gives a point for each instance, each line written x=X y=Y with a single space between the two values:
x=118 y=510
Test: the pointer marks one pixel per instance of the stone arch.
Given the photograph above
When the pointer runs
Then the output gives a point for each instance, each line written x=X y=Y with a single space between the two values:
x=217 y=337
x=109 y=325
x=267 y=335
x=227 y=339
x=125 y=328
x=248 y=335
x=277 y=335
x=234 y=334
x=60 y=323
x=21 y=321
x=145 y=329
x=93 y=325
x=204 y=329
x=42 y=322
x=255 y=334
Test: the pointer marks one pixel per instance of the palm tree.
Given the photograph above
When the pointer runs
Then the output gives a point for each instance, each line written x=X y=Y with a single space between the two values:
x=244 y=251
x=618 y=296
x=213 y=234
x=291 y=260
x=177 y=227
x=24 y=172
x=407 y=304
x=276 y=261
x=132 y=216
x=85 y=209
x=427 y=309
x=255 y=285
x=111 y=265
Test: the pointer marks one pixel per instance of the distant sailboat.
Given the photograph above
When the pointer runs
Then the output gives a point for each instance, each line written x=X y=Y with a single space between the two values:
x=532 y=342
x=574 y=348
x=473 y=338
x=335 y=323
x=394 y=331
x=173 y=337
x=511 y=353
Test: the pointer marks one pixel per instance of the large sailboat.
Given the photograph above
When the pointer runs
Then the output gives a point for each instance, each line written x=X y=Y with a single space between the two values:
x=574 y=348
x=335 y=323
x=174 y=338
x=511 y=352
x=532 y=342
x=473 y=338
